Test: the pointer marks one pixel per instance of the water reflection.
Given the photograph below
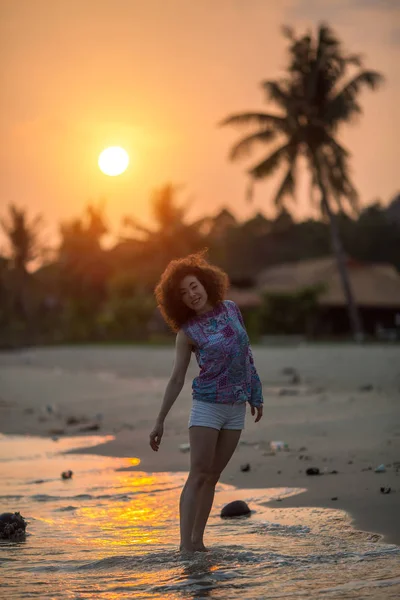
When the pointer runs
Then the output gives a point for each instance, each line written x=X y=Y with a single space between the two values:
x=110 y=533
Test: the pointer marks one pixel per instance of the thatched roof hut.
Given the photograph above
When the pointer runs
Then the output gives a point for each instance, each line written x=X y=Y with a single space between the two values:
x=373 y=285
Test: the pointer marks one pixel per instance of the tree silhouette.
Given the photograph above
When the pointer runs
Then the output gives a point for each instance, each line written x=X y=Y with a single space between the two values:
x=317 y=95
x=172 y=237
x=23 y=237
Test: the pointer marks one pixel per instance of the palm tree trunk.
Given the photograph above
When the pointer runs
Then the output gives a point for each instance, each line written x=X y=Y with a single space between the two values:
x=354 y=315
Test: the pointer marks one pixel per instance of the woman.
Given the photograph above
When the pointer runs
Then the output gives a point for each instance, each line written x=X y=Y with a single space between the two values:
x=190 y=295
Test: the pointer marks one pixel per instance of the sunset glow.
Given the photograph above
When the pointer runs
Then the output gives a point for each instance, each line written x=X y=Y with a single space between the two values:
x=113 y=161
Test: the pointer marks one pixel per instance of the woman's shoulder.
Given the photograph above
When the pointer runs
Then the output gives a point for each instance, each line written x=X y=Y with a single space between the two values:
x=230 y=305
x=182 y=339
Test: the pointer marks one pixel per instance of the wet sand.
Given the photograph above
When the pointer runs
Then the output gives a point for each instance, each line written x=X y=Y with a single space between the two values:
x=342 y=415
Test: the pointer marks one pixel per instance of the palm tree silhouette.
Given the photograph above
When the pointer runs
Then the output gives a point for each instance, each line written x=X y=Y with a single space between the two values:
x=315 y=97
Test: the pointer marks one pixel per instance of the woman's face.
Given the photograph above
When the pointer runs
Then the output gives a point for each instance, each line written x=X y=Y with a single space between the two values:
x=194 y=294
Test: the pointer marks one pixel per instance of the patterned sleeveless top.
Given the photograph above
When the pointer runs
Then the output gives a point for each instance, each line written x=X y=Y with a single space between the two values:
x=223 y=353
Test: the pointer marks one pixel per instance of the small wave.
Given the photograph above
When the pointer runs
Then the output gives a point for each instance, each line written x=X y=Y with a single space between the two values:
x=66 y=508
x=11 y=497
x=358 y=585
x=47 y=498
x=278 y=529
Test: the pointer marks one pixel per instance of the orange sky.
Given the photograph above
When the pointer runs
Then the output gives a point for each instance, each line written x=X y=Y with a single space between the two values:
x=155 y=76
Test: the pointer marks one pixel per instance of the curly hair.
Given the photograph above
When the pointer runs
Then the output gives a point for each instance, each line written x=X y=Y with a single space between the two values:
x=169 y=301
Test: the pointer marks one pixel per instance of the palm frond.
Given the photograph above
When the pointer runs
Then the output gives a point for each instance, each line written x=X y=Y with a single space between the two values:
x=344 y=104
x=270 y=164
x=327 y=37
x=287 y=186
x=277 y=93
x=371 y=79
x=255 y=118
x=245 y=146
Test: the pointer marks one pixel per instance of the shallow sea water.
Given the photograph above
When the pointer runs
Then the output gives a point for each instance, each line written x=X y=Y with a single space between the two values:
x=112 y=532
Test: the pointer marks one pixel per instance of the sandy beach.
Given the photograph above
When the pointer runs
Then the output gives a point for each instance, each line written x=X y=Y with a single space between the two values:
x=342 y=416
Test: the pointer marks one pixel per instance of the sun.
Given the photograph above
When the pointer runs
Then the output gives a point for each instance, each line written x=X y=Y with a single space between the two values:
x=113 y=161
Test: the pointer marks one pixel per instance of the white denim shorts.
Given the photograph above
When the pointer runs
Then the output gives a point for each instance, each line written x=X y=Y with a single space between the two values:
x=217 y=416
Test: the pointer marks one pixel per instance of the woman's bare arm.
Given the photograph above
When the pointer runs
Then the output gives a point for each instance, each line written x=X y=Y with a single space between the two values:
x=183 y=353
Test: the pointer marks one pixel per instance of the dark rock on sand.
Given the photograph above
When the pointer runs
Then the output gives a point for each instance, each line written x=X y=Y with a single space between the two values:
x=238 y=508
x=66 y=474
x=12 y=526
x=313 y=471
x=386 y=490
x=245 y=468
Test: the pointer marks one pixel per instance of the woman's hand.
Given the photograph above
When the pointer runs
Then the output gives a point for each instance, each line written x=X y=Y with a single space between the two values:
x=259 y=410
x=156 y=435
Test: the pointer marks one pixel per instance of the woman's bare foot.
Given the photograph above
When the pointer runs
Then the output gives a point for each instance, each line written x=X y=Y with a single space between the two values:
x=199 y=547
x=186 y=549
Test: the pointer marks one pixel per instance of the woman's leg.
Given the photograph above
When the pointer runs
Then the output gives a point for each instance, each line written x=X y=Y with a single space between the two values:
x=203 y=442
x=227 y=441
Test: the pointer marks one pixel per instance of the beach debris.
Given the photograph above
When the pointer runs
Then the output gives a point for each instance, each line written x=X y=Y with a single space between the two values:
x=334 y=498
x=66 y=474
x=90 y=427
x=295 y=378
x=380 y=469
x=313 y=471
x=245 y=468
x=386 y=490
x=333 y=472
x=303 y=449
x=184 y=447
x=237 y=508
x=366 y=388
x=55 y=438
x=12 y=526
x=73 y=421
x=367 y=469
x=293 y=374
x=278 y=446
